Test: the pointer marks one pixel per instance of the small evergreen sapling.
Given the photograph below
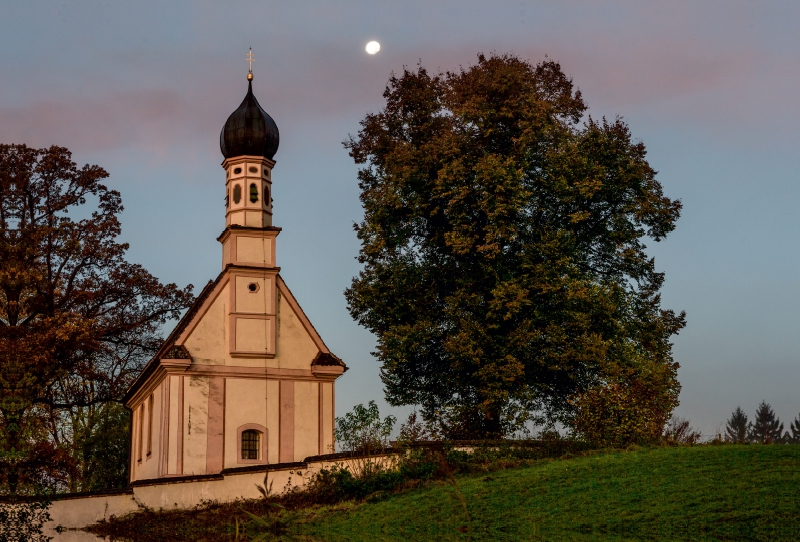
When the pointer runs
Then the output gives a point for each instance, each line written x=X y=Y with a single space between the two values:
x=767 y=428
x=737 y=428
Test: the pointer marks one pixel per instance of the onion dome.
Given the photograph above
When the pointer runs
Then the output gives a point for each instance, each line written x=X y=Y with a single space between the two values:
x=249 y=130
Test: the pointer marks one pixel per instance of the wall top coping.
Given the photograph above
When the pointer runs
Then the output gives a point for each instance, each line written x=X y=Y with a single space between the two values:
x=67 y=496
x=297 y=465
x=265 y=468
x=177 y=479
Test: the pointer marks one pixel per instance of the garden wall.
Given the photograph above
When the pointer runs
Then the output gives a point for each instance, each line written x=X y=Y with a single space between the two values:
x=80 y=510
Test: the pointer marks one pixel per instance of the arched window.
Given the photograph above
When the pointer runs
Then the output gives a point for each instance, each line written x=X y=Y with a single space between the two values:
x=251 y=442
x=237 y=193
x=253 y=193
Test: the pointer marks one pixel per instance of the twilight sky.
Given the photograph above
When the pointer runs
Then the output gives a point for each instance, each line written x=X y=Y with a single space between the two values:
x=143 y=89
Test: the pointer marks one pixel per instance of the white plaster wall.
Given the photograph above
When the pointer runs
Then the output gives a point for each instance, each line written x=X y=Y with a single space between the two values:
x=144 y=424
x=183 y=495
x=295 y=349
x=327 y=417
x=148 y=467
x=208 y=342
x=259 y=301
x=306 y=420
x=254 y=250
x=173 y=429
x=81 y=512
x=250 y=401
x=136 y=415
x=253 y=334
x=76 y=513
x=273 y=420
x=245 y=402
x=195 y=422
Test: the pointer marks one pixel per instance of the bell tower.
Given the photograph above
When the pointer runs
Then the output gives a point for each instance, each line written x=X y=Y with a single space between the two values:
x=244 y=380
x=249 y=141
x=248 y=200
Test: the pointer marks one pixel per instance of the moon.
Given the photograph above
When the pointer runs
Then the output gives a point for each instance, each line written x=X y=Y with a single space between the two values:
x=373 y=47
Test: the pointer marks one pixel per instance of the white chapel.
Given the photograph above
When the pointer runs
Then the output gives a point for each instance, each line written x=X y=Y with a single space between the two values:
x=244 y=379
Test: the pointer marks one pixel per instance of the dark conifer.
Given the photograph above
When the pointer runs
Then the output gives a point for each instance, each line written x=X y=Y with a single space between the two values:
x=737 y=428
x=767 y=428
x=794 y=427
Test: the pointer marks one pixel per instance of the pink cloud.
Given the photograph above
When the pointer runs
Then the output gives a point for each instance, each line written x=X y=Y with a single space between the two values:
x=111 y=120
x=663 y=75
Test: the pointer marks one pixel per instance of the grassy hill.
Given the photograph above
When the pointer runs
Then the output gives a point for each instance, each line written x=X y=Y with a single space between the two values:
x=749 y=492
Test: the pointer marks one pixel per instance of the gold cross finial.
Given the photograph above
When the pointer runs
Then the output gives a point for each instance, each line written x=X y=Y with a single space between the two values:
x=250 y=60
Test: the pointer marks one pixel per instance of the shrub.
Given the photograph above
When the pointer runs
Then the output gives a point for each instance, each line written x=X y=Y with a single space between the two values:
x=622 y=413
x=363 y=431
x=679 y=431
x=413 y=431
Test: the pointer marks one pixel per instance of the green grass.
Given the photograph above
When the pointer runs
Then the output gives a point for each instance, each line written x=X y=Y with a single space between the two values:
x=686 y=493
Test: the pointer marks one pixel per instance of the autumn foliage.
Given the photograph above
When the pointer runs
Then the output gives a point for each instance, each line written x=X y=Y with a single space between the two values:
x=77 y=320
x=505 y=273
x=621 y=413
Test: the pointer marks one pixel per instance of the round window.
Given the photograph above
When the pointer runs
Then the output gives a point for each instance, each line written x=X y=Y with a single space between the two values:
x=252 y=287
x=253 y=169
x=237 y=193
x=237 y=171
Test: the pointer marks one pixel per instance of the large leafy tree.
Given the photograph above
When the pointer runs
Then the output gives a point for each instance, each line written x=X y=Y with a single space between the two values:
x=77 y=320
x=505 y=273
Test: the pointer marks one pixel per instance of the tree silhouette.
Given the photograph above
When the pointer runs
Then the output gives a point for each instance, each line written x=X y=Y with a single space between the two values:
x=737 y=428
x=77 y=321
x=505 y=272
x=794 y=427
x=766 y=428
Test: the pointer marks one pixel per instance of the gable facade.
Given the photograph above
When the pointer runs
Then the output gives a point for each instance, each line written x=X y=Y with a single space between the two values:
x=244 y=379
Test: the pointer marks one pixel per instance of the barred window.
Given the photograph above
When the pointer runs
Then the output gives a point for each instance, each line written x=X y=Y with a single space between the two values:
x=251 y=440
